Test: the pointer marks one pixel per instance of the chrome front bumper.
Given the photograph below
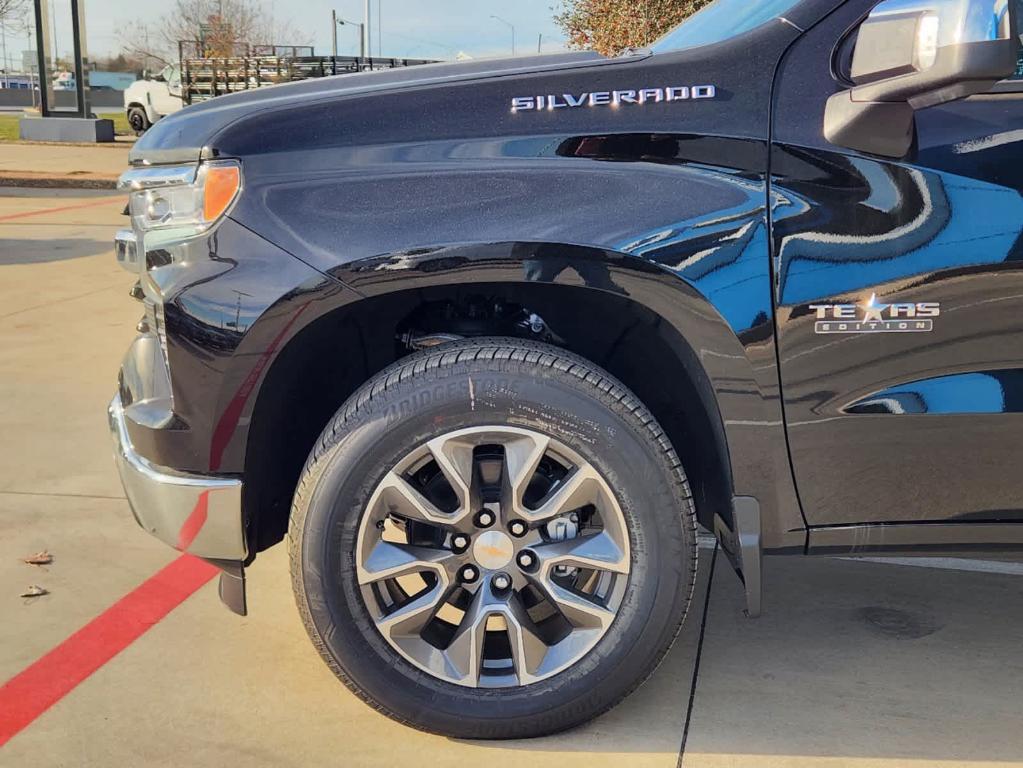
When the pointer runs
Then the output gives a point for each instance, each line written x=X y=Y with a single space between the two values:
x=193 y=513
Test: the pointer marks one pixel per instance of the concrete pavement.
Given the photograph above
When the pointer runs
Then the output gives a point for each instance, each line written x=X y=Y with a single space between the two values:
x=69 y=165
x=857 y=663
x=853 y=663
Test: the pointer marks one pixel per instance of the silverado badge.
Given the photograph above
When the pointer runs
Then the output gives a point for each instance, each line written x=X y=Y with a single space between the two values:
x=554 y=101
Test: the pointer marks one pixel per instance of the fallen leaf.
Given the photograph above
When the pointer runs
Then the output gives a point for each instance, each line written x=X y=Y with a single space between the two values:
x=34 y=591
x=39 y=558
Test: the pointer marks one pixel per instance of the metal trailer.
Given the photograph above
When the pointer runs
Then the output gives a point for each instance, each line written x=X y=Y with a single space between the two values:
x=257 y=66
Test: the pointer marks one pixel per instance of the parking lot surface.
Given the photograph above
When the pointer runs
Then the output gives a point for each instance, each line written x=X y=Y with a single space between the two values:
x=68 y=161
x=854 y=663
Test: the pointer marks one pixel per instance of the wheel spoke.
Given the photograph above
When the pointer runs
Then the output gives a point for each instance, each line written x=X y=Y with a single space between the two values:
x=410 y=618
x=578 y=609
x=402 y=499
x=528 y=649
x=597 y=550
x=522 y=455
x=387 y=560
x=455 y=459
x=465 y=652
x=583 y=486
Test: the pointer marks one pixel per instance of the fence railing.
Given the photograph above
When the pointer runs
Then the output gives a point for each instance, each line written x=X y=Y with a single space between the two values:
x=204 y=78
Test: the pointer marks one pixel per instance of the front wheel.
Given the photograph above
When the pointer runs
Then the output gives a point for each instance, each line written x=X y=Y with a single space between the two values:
x=138 y=120
x=493 y=539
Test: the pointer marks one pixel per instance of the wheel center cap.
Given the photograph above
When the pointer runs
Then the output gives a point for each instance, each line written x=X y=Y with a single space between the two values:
x=493 y=550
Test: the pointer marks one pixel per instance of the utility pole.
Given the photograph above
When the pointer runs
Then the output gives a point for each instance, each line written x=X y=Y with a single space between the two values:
x=510 y=26
x=333 y=29
x=31 y=80
x=7 y=77
x=365 y=29
x=56 y=51
x=539 y=42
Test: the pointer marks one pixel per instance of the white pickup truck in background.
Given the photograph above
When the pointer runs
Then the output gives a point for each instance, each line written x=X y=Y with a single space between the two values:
x=149 y=99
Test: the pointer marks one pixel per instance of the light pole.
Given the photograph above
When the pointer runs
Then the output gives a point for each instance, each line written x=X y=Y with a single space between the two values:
x=510 y=26
x=362 y=33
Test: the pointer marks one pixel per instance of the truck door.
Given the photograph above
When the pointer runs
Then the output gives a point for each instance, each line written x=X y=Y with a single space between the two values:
x=899 y=298
x=167 y=97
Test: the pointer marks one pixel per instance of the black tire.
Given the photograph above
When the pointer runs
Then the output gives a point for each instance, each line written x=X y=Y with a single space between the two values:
x=138 y=120
x=530 y=385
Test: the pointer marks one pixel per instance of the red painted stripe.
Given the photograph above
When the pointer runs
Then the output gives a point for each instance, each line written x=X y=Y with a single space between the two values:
x=38 y=687
x=58 y=209
x=194 y=522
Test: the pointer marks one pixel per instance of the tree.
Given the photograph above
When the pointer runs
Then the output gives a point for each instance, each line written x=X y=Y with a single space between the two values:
x=11 y=10
x=610 y=26
x=216 y=25
x=122 y=62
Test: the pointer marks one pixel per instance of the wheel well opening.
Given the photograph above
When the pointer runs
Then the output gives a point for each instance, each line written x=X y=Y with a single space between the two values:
x=336 y=354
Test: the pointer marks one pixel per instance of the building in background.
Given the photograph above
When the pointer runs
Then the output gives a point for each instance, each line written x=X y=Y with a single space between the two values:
x=117 y=81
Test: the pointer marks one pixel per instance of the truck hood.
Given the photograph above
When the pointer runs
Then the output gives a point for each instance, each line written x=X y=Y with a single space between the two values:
x=186 y=136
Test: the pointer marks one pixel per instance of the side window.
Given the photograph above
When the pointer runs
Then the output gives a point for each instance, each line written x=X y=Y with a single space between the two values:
x=174 y=80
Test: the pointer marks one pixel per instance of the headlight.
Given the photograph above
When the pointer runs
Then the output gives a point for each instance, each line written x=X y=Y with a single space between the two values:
x=187 y=198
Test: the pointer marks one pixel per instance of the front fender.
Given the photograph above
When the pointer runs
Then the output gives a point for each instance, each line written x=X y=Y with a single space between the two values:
x=728 y=368
x=676 y=222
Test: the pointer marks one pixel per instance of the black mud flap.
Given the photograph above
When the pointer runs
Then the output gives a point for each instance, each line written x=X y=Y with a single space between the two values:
x=742 y=546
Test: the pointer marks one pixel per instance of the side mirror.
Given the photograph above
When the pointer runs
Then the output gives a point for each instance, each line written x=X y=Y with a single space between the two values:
x=913 y=54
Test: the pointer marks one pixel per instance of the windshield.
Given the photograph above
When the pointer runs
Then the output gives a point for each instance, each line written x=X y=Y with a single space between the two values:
x=721 y=20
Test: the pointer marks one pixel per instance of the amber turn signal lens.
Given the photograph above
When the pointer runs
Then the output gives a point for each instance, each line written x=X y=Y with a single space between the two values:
x=221 y=186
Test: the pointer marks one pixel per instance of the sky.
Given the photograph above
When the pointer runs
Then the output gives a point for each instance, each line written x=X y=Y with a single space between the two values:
x=410 y=28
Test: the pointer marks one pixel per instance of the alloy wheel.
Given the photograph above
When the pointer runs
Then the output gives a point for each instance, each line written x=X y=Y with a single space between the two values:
x=493 y=557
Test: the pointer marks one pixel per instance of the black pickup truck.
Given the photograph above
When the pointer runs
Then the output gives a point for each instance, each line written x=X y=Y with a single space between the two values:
x=485 y=341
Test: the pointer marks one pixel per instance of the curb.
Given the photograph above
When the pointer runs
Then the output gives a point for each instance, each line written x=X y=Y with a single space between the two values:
x=57 y=182
x=117 y=143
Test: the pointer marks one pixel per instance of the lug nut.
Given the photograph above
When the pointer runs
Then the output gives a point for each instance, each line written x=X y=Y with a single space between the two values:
x=518 y=528
x=460 y=542
x=526 y=559
x=485 y=519
x=501 y=581
x=468 y=574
